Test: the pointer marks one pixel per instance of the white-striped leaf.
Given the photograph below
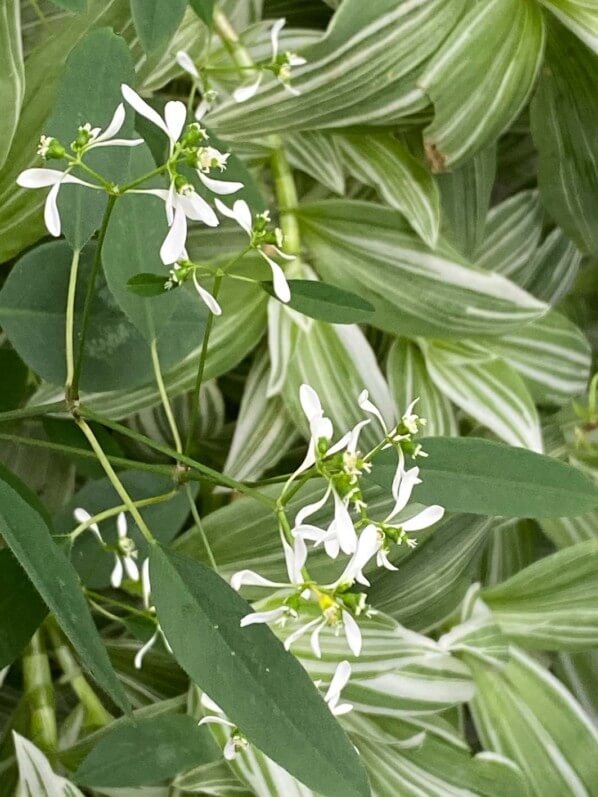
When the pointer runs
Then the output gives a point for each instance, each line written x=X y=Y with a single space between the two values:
x=284 y=326
x=432 y=581
x=316 y=154
x=263 y=431
x=513 y=545
x=212 y=780
x=363 y=71
x=579 y=671
x=570 y=531
x=551 y=604
x=338 y=363
x=12 y=76
x=481 y=637
x=416 y=291
x=554 y=268
x=37 y=778
x=481 y=77
x=408 y=379
x=465 y=193
x=564 y=109
x=551 y=354
x=487 y=389
x=512 y=234
x=403 y=182
x=525 y=713
x=580 y=16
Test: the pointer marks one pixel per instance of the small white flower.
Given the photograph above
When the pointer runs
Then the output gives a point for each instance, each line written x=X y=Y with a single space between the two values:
x=83 y=517
x=43 y=178
x=124 y=560
x=146 y=592
x=173 y=121
x=186 y=63
x=340 y=679
x=211 y=158
x=241 y=213
x=295 y=558
x=106 y=138
x=237 y=742
x=335 y=617
x=368 y=545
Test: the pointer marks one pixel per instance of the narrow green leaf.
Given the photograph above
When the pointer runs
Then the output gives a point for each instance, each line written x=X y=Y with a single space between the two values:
x=145 y=753
x=580 y=16
x=15 y=375
x=204 y=9
x=21 y=609
x=488 y=478
x=28 y=536
x=156 y=21
x=326 y=302
x=12 y=74
x=261 y=687
x=147 y=284
x=78 y=6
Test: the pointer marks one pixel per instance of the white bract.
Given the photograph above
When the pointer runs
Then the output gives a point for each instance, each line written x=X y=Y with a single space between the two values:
x=237 y=742
x=125 y=551
x=146 y=591
x=44 y=178
x=241 y=213
x=340 y=679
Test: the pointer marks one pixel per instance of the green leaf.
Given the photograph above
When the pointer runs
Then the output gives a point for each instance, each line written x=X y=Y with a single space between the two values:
x=524 y=713
x=403 y=182
x=156 y=21
x=147 y=284
x=259 y=686
x=15 y=375
x=204 y=9
x=488 y=478
x=36 y=776
x=32 y=314
x=480 y=78
x=21 y=609
x=364 y=70
x=569 y=531
x=564 y=108
x=408 y=379
x=554 y=268
x=12 y=75
x=579 y=16
x=144 y=753
x=77 y=6
x=326 y=302
x=551 y=604
x=487 y=389
x=28 y=536
x=101 y=59
x=362 y=247
x=316 y=154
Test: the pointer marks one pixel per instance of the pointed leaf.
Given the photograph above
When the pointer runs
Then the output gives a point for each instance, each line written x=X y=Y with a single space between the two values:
x=18 y=599
x=326 y=302
x=156 y=21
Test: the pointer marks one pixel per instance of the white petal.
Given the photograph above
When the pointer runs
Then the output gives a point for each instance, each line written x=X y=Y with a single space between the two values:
x=142 y=108
x=145 y=583
x=216 y=721
x=368 y=544
x=142 y=651
x=295 y=558
x=311 y=533
x=263 y=617
x=314 y=641
x=382 y=560
x=39 y=178
x=321 y=427
x=207 y=297
x=343 y=526
x=240 y=212
x=275 y=34
x=82 y=516
x=339 y=680
x=297 y=60
x=352 y=633
x=311 y=509
x=186 y=63
x=174 y=243
x=116 y=577
x=281 y=286
x=368 y=406
x=230 y=750
x=292 y=90
x=118 y=142
x=340 y=444
x=331 y=546
x=175 y=116
x=197 y=209
x=201 y=110
x=344 y=708
x=354 y=436
x=429 y=516
x=301 y=632
x=402 y=487
x=244 y=93
x=51 y=215
x=310 y=402
x=250 y=578
x=207 y=702
x=131 y=568
x=115 y=124
x=121 y=525
x=220 y=186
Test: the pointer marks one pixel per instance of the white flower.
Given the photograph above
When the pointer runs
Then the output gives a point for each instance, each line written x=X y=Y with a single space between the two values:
x=186 y=63
x=106 y=138
x=295 y=558
x=173 y=121
x=339 y=680
x=43 y=178
x=83 y=517
x=368 y=545
x=241 y=213
x=402 y=487
x=207 y=297
x=124 y=560
x=146 y=591
x=237 y=742
x=336 y=617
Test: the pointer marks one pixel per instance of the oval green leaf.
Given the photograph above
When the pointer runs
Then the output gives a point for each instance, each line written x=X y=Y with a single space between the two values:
x=326 y=302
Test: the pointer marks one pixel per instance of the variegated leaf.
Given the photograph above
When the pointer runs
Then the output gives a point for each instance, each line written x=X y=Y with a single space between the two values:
x=580 y=16
x=487 y=389
x=37 y=778
x=12 y=78
x=316 y=154
x=481 y=77
x=570 y=531
x=554 y=268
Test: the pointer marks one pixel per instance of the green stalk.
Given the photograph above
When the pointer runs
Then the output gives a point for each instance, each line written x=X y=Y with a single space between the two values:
x=70 y=323
x=32 y=412
x=199 y=524
x=115 y=510
x=286 y=195
x=73 y=396
x=39 y=693
x=164 y=396
x=97 y=715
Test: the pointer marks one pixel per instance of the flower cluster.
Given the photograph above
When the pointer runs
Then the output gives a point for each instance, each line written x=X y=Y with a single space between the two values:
x=364 y=540
x=124 y=550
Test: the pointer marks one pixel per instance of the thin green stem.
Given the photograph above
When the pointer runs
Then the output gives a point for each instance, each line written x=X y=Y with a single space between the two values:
x=195 y=403
x=208 y=474
x=228 y=35
x=74 y=391
x=200 y=527
x=96 y=175
x=70 y=322
x=139 y=180
x=114 y=480
x=164 y=396
x=32 y=412
x=286 y=195
x=39 y=693
x=97 y=715
x=115 y=510
x=97 y=596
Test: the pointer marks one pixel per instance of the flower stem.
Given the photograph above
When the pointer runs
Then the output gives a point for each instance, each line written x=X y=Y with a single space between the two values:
x=32 y=412
x=39 y=693
x=195 y=404
x=70 y=323
x=139 y=180
x=164 y=396
x=73 y=396
x=114 y=480
x=115 y=510
x=286 y=195
x=97 y=715
x=199 y=524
